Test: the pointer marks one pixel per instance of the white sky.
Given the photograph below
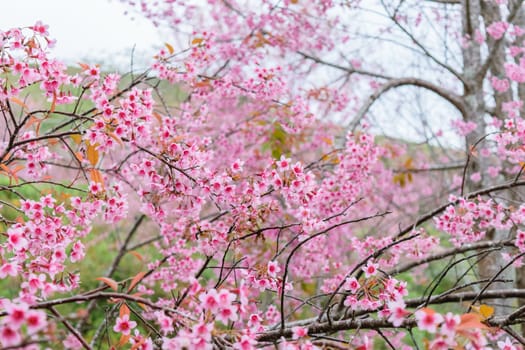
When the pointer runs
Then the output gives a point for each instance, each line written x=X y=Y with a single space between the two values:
x=87 y=29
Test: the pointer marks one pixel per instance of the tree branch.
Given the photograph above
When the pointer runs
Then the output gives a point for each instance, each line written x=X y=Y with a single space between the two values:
x=449 y=96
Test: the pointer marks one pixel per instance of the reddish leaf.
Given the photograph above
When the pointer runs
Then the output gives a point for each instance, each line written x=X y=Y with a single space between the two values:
x=124 y=310
x=18 y=102
x=137 y=255
x=111 y=283
x=138 y=277
x=79 y=156
x=54 y=103
x=32 y=120
x=124 y=339
x=138 y=345
x=92 y=154
x=197 y=41
x=76 y=138
x=470 y=321
x=96 y=176
x=170 y=48
x=486 y=311
x=11 y=172
x=158 y=117
x=116 y=138
x=83 y=66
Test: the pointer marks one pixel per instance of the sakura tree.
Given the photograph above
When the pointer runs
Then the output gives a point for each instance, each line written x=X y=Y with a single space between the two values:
x=244 y=190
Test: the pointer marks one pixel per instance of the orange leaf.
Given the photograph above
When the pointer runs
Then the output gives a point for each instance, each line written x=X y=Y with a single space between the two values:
x=79 y=156
x=111 y=283
x=138 y=277
x=202 y=84
x=92 y=154
x=170 y=48
x=37 y=129
x=83 y=66
x=486 y=311
x=137 y=255
x=123 y=339
x=81 y=313
x=428 y=311
x=96 y=176
x=197 y=41
x=116 y=138
x=409 y=163
x=124 y=310
x=76 y=138
x=470 y=321
x=327 y=140
x=19 y=102
x=18 y=168
x=11 y=173
x=138 y=344
x=54 y=103
x=158 y=116
x=32 y=120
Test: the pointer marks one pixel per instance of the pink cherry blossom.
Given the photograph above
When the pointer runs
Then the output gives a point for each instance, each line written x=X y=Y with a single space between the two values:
x=210 y=300
x=500 y=85
x=124 y=325
x=36 y=321
x=506 y=345
x=17 y=314
x=398 y=312
x=370 y=269
x=273 y=268
x=428 y=320
x=245 y=343
x=299 y=332
x=8 y=269
x=449 y=324
x=9 y=336
x=244 y=186
x=352 y=285
x=497 y=29
x=226 y=314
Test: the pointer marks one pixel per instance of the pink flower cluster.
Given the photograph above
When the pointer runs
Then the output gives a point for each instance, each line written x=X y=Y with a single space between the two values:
x=21 y=323
x=468 y=221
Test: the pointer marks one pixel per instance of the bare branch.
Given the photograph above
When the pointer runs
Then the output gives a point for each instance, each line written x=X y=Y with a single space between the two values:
x=449 y=96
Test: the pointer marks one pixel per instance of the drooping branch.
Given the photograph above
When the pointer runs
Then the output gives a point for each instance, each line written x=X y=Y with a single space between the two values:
x=448 y=95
